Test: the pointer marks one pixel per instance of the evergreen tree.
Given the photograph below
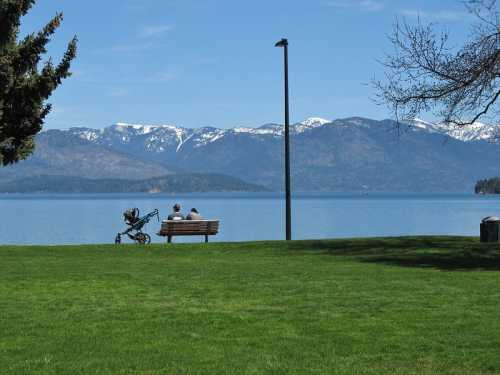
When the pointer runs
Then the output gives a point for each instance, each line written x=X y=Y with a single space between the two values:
x=24 y=85
x=488 y=186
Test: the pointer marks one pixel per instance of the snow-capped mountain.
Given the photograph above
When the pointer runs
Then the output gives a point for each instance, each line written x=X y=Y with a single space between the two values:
x=341 y=155
x=160 y=138
x=474 y=132
x=310 y=123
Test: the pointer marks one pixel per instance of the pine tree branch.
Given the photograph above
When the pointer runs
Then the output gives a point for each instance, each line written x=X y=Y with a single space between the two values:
x=23 y=87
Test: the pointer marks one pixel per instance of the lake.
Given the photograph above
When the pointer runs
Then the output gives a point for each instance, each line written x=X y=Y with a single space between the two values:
x=96 y=218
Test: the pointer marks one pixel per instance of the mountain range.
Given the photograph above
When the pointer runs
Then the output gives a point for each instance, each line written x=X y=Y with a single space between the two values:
x=352 y=154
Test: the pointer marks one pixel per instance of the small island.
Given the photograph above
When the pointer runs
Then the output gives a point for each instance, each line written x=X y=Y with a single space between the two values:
x=488 y=186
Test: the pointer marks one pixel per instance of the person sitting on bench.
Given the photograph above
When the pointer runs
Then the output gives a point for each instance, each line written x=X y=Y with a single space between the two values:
x=194 y=215
x=176 y=215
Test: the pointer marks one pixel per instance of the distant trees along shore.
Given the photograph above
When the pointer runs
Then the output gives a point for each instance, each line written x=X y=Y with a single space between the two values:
x=488 y=186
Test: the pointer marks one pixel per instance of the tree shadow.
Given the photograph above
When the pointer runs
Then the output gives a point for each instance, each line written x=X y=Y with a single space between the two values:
x=383 y=245
x=466 y=261
x=445 y=253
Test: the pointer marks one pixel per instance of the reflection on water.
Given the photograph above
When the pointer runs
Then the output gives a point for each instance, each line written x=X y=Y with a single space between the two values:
x=96 y=218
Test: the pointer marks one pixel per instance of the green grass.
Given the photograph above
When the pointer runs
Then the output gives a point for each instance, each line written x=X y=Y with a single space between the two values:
x=413 y=305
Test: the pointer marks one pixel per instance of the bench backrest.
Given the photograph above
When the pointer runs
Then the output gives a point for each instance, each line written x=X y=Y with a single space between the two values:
x=172 y=227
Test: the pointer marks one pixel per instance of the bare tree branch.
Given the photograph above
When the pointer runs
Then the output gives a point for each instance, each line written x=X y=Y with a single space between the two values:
x=423 y=74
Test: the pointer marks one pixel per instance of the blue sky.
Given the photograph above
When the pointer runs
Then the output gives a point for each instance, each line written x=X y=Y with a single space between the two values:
x=213 y=63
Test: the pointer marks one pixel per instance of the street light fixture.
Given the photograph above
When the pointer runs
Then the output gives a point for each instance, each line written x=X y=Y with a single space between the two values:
x=284 y=44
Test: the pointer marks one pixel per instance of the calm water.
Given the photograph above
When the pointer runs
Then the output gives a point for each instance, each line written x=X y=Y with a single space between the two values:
x=96 y=218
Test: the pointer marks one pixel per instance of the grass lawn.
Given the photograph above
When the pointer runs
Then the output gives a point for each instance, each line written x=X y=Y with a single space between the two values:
x=413 y=305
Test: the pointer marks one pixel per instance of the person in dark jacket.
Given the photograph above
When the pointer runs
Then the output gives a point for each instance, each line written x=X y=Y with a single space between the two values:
x=194 y=215
x=176 y=215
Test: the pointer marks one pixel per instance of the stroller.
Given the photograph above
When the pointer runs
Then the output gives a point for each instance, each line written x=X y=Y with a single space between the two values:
x=135 y=224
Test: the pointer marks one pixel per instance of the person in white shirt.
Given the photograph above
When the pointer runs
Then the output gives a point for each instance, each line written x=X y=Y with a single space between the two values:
x=176 y=215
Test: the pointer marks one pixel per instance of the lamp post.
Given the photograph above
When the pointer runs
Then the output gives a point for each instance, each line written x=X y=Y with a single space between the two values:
x=284 y=44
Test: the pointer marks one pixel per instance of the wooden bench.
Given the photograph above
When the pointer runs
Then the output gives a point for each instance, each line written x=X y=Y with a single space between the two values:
x=170 y=228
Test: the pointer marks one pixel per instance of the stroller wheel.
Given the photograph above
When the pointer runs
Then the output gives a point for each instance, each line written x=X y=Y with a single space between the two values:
x=143 y=238
x=118 y=239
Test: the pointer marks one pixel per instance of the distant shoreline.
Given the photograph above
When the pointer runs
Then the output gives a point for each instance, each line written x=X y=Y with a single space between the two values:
x=176 y=183
x=238 y=194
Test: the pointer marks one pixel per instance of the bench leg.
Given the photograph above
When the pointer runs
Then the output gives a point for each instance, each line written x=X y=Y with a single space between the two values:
x=169 y=239
x=206 y=238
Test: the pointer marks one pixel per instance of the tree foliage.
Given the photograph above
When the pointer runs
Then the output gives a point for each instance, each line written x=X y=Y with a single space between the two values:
x=24 y=84
x=488 y=186
x=459 y=85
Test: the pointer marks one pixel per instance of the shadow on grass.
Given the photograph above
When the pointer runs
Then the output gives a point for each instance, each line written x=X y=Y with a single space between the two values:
x=445 y=253
x=448 y=262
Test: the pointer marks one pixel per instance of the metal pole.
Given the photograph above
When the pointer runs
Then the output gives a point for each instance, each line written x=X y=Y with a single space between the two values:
x=287 y=152
x=284 y=43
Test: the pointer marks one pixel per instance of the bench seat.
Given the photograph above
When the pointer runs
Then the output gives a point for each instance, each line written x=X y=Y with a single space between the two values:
x=170 y=228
